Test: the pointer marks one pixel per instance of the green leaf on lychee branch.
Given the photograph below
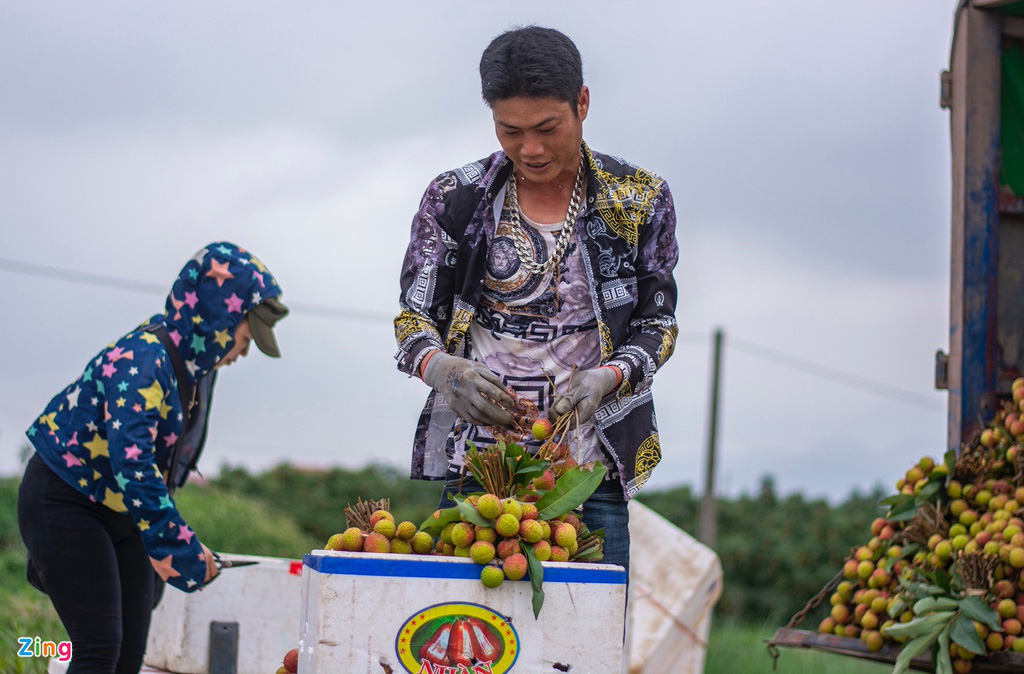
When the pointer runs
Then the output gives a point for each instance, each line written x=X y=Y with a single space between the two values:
x=439 y=520
x=570 y=491
x=950 y=460
x=910 y=550
x=897 y=607
x=524 y=466
x=912 y=649
x=919 y=590
x=593 y=554
x=902 y=507
x=966 y=635
x=943 y=662
x=471 y=514
x=904 y=516
x=536 y=579
x=930 y=490
x=535 y=468
x=976 y=609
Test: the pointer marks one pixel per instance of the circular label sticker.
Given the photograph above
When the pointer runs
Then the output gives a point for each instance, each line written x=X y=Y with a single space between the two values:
x=457 y=638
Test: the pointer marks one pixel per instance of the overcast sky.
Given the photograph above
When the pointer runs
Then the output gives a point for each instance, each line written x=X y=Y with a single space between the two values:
x=803 y=142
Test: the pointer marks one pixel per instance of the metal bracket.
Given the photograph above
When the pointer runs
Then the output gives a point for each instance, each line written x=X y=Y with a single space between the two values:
x=941 y=370
x=223 y=647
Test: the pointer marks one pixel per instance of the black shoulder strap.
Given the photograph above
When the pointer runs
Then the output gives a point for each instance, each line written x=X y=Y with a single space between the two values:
x=186 y=393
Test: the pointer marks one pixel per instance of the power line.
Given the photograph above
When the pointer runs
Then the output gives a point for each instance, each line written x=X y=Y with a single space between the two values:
x=765 y=353
x=149 y=288
x=83 y=277
x=832 y=374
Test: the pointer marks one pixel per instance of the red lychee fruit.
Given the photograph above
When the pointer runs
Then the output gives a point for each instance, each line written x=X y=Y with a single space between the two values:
x=379 y=515
x=515 y=566
x=508 y=547
x=291 y=660
x=422 y=543
x=405 y=530
x=564 y=535
x=482 y=552
x=463 y=535
x=531 y=531
x=507 y=525
x=542 y=429
x=352 y=539
x=545 y=482
x=385 y=527
x=492 y=576
x=512 y=507
x=489 y=506
x=376 y=542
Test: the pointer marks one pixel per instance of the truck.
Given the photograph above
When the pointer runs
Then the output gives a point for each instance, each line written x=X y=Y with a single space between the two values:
x=983 y=90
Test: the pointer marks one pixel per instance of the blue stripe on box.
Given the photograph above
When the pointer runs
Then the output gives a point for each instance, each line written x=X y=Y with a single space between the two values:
x=354 y=566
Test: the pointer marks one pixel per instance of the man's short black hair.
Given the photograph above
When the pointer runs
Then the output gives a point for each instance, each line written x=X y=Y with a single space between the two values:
x=531 y=62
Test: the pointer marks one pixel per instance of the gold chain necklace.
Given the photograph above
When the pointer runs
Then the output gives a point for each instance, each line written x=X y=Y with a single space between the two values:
x=519 y=238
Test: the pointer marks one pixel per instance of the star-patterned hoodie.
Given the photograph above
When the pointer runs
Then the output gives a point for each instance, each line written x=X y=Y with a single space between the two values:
x=110 y=433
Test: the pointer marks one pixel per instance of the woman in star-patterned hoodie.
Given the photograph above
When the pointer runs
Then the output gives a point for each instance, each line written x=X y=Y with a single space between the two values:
x=95 y=508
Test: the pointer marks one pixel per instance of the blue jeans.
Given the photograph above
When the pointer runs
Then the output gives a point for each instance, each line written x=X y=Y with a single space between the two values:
x=605 y=509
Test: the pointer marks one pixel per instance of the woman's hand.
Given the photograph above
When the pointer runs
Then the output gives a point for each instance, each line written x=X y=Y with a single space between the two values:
x=211 y=565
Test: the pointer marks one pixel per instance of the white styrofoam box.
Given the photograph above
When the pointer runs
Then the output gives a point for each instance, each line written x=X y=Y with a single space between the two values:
x=264 y=599
x=675 y=582
x=373 y=613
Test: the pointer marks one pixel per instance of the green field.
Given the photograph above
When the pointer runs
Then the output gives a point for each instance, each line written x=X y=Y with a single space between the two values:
x=736 y=648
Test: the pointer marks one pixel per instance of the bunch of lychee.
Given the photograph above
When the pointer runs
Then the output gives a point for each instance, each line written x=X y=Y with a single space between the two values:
x=512 y=526
x=383 y=536
x=969 y=515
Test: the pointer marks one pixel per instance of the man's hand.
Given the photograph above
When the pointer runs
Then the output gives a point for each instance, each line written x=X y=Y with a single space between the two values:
x=211 y=565
x=469 y=387
x=585 y=393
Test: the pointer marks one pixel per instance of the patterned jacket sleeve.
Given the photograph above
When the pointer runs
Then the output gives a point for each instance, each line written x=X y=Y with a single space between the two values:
x=140 y=407
x=426 y=283
x=652 y=328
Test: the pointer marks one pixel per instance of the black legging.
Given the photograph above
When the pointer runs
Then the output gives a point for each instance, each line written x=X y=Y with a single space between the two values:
x=93 y=565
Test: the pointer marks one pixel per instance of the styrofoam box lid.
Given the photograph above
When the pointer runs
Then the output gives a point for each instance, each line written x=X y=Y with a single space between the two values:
x=432 y=566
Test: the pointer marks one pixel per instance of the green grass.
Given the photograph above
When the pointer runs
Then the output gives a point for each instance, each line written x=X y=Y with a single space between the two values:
x=740 y=649
x=231 y=522
x=24 y=612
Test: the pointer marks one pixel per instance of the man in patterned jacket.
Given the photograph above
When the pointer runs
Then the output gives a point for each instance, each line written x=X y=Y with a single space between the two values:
x=545 y=269
x=95 y=507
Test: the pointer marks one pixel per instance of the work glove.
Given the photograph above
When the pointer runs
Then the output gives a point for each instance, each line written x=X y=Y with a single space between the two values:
x=474 y=392
x=584 y=394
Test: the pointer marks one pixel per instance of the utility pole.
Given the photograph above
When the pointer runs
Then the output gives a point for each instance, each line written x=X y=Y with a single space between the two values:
x=708 y=520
